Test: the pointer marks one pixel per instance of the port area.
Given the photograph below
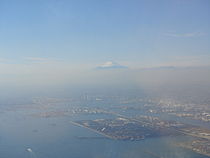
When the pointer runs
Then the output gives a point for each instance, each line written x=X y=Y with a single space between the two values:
x=200 y=142
x=201 y=146
x=124 y=129
x=136 y=129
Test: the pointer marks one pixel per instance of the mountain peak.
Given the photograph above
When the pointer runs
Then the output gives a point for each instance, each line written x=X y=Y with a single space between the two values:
x=111 y=65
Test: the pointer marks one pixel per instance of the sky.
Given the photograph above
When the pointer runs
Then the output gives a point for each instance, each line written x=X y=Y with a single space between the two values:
x=44 y=40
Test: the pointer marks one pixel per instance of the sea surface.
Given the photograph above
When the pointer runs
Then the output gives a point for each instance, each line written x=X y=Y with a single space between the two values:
x=23 y=135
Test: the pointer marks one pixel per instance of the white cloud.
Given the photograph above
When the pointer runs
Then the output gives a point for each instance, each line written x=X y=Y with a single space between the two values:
x=189 y=34
x=35 y=59
x=39 y=60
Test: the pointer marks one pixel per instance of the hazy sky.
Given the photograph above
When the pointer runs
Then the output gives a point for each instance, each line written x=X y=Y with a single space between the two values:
x=54 y=37
x=144 y=32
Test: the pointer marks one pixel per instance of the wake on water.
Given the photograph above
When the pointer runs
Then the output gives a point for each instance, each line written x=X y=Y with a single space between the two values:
x=32 y=154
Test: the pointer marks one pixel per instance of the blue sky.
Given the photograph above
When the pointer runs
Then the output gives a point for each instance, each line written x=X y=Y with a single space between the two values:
x=136 y=33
